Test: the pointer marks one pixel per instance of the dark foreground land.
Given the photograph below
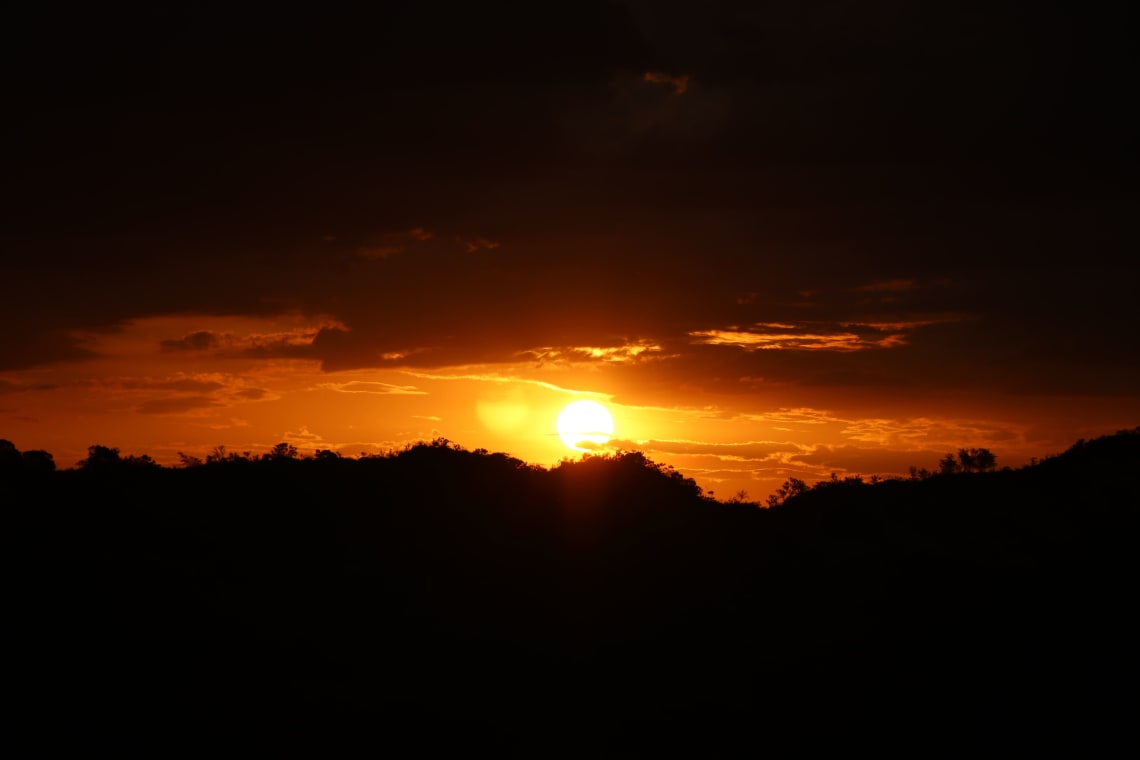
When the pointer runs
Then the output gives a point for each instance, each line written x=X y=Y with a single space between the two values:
x=454 y=599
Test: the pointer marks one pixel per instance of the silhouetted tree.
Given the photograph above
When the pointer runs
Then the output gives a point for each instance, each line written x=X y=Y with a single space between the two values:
x=791 y=487
x=966 y=460
x=220 y=455
x=189 y=461
x=282 y=451
x=984 y=460
x=740 y=497
x=15 y=462
x=100 y=457
x=976 y=460
x=9 y=456
x=38 y=462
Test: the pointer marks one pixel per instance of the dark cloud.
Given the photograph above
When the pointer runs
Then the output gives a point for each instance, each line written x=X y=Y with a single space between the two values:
x=198 y=341
x=190 y=385
x=177 y=404
x=34 y=345
x=186 y=384
x=679 y=83
x=9 y=387
x=281 y=347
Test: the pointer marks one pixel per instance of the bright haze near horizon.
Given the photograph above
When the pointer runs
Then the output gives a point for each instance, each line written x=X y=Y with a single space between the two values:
x=773 y=240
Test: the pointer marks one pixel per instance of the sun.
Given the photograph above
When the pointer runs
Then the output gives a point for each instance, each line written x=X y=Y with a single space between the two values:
x=585 y=425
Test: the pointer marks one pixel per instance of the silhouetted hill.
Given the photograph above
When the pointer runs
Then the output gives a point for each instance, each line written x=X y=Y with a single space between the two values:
x=604 y=606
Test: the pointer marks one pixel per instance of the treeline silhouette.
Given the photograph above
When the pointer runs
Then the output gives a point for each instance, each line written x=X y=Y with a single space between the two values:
x=604 y=605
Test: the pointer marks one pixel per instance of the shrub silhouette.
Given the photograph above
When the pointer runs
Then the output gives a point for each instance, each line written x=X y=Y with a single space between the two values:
x=100 y=457
x=14 y=463
x=967 y=460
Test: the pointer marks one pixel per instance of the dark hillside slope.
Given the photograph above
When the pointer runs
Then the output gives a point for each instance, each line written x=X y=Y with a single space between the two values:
x=465 y=594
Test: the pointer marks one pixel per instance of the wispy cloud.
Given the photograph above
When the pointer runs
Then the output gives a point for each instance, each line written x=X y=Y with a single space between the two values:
x=391 y=243
x=754 y=341
x=419 y=239
x=798 y=416
x=180 y=384
x=304 y=436
x=378 y=251
x=293 y=343
x=196 y=341
x=178 y=404
x=10 y=387
x=738 y=451
x=679 y=83
x=362 y=386
x=178 y=394
x=635 y=351
x=489 y=377
x=478 y=244
x=838 y=336
x=888 y=286
x=923 y=433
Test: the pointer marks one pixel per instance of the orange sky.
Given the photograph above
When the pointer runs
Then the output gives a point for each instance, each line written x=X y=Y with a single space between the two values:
x=145 y=399
x=774 y=242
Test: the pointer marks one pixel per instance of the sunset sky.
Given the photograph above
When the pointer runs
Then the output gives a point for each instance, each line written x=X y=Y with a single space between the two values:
x=774 y=239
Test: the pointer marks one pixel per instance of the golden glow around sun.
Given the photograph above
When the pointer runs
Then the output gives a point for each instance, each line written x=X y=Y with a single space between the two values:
x=584 y=425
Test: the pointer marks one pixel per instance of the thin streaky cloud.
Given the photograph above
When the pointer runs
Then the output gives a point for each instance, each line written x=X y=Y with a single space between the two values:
x=361 y=386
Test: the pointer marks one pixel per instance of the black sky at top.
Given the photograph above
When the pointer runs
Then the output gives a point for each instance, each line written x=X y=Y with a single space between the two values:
x=228 y=161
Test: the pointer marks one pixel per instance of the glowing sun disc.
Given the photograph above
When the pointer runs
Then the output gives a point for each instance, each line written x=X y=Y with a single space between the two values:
x=584 y=425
